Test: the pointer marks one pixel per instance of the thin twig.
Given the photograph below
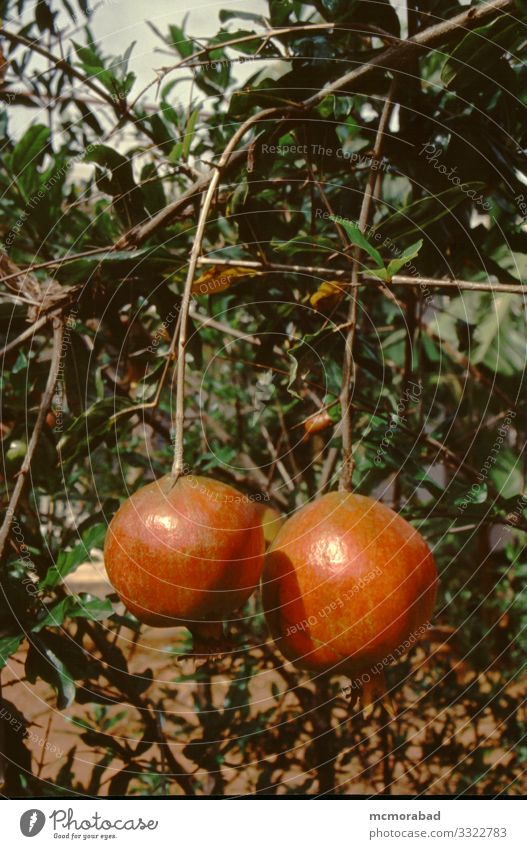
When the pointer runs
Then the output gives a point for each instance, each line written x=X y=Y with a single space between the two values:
x=149 y=405
x=328 y=468
x=54 y=263
x=286 y=477
x=365 y=280
x=26 y=334
x=178 y=464
x=208 y=321
x=58 y=334
x=348 y=365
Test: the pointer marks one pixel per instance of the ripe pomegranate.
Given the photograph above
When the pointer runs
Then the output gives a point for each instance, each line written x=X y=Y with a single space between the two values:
x=185 y=553
x=346 y=582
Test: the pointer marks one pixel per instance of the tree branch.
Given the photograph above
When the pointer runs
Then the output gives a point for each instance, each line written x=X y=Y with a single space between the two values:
x=26 y=334
x=348 y=365
x=391 y=59
x=397 y=279
x=58 y=335
x=178 y=464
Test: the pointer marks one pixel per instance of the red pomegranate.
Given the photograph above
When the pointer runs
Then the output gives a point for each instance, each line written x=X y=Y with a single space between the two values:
x=348 y=586
x=185 y=553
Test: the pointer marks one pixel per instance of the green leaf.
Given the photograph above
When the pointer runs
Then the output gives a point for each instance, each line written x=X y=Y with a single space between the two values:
x=93 y=66
x=380 y=273
x=79 y=269
x=255 y=43
x=82 y=606
x=8 y=646
x=501 y=346
x=110 y=158
x=117 y=179
x=43 y=662
x=181 y=42
x=303 y=244
x=77 y=373
x=410 y=253
x=268 y=92
x=152 y=188
x=395 y=265
x=44 y=17
x=27 y=155
x=118 y=256
x=358 y=238
x=381 y=13
x=88 y=57
x=68 y=561
x=472 y=496
x=506 y=474
x=181 y=149
x=417 y=216
x=279 y=11
x=92 y=427
x=472 y=58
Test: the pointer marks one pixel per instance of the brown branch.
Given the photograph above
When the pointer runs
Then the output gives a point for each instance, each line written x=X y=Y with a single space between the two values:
x=468 y=285
x=365 y=280
x=312 y=270
x=28 y=288
x=26 y=334
x=141 y=232
x=349 y=374
x=411 y=326
x=53 y=263
x=178 y=464
x=326 y=474
x=58 y=334
x=394 y=57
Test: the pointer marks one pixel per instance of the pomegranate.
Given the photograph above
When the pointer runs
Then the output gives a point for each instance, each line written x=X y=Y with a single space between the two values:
x=348 y=586
x=185 y=553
